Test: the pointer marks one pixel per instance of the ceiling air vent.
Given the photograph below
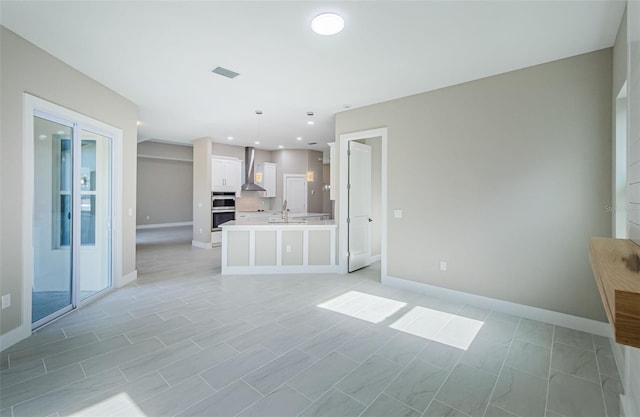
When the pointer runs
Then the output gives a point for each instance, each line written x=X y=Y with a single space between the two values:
x=224 y=72
x=312 y=143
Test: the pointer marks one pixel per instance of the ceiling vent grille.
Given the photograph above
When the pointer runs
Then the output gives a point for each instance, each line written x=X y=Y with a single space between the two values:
x=224 y=72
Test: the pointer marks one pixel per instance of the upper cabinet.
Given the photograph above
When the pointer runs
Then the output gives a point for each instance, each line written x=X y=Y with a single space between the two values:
x=226 y=174
x=266 y=178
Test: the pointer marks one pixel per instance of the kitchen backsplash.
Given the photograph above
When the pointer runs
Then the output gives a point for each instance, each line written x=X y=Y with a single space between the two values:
x=250 y=201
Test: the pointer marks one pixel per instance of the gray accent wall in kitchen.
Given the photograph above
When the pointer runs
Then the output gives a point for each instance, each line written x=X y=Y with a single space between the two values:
x=505 y=178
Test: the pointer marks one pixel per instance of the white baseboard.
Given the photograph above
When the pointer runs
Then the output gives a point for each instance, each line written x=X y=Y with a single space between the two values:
x=271 y=270
x=161 y=225
x=12 y=337
x=534 y=313
x=126 y=279
x=375 y=258
x=200 y=245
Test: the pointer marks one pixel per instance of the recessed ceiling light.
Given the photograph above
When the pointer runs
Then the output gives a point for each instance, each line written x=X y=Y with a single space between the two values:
x=42 y=137
x=138 y=123
x=310 y=122
x=60 y=132
x=327 y=24
x=257 y=142
x=298 y=138
x=280 y=146
x=229 y=137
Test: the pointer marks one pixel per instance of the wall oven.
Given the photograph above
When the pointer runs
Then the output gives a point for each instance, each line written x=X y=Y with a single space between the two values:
x=223 y=209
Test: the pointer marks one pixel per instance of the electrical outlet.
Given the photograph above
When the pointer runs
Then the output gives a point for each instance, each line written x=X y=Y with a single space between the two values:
x=288 y=248
x=397 y=214
x=443 y=266
x=6 y=300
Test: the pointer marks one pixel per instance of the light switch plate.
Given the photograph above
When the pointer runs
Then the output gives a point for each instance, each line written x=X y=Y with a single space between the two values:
x=6 y=300
x=397 y=214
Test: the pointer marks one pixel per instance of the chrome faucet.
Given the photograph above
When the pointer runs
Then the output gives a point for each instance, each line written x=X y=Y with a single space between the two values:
x=285 y=211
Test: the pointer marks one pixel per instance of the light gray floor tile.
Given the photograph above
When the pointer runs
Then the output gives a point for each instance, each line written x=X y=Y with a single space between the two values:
x=287 y=339
x=79 y=328
x=612 y=388
x=147 y=332
x=385 y=406
x=417 y=384
x=498 y=328
x=37 y=340
x=38 y=352
x=283 y=402
x=402 y=348
x=334 y=404
x=327 y=341
x=37 y=386
x=4 y=361
x=552 y=414
x=573 y=338
x=473 y=312
x=128 y=326
x=530 y=358
x=119 y=398
x=575 y=361
x=197 y=363
x=575 y=397
x=520 y=393
x=316 y=380
x=21 y=373
x=160 y=358
x=278 y=371
x=189 y=331
x=467 y=389
x=438 y=409
x=369 y=379
x=362 y=345
x=228 y=402
x=222 y=334
x=535 y=332
x=493 y=411
x=486 y=355
x=5 y=412
x=174 y=400
x=254 y=336
x=70 y=394
x=600 y=341
x=606 y=362
x=116 y=357
x=82 y=353
x=237 y=366
x=441 y=355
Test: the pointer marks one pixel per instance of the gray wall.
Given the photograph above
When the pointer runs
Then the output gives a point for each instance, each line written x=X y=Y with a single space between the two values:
x=514 y=174
x=165 y=183
x=26 y=68
x=314 y=188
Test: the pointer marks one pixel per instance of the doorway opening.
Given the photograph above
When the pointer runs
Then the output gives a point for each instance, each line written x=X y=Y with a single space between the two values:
x=70 y=196
x=295 y=192
x=362 y=195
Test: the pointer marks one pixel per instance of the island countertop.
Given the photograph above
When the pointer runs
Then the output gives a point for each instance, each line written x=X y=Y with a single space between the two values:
x=234 y=224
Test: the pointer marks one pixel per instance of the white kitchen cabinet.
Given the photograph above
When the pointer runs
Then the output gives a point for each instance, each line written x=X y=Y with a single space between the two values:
x=226 y=174
x=266 y=178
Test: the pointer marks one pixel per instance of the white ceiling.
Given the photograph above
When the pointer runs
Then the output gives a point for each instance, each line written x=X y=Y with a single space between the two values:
x=160 y=55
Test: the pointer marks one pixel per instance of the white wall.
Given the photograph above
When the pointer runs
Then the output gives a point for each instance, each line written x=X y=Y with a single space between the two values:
x=514 y=175
x=26 y=68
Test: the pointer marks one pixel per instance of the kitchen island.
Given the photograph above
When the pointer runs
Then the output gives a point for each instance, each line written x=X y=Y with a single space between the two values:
x=278 y=246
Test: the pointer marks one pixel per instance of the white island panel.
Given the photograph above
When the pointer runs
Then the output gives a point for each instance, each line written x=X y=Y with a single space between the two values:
x=261 y=247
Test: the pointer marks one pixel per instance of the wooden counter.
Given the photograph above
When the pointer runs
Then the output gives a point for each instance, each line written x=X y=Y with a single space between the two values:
x=616 y=266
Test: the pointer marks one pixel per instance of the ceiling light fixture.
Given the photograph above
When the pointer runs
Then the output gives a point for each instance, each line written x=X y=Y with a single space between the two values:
x=257 y=142
x=42 y=137
x=280 y=147
x=310 y=122
x=229 y=137
x=327 y=24
x=298 y=138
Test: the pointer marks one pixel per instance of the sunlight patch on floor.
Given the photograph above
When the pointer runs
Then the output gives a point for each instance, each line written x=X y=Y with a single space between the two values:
x=111 y=406
x=446 y=328
x=363 y=306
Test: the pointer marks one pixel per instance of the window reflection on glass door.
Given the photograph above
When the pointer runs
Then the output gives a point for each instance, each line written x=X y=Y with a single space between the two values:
x=52 y=220
x=95 y=214
x=72 y=217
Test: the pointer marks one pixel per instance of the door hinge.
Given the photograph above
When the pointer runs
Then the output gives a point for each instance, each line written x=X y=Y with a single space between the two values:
x=348 y=254
x=348 y=186
x=349 y=153
x=348 y=220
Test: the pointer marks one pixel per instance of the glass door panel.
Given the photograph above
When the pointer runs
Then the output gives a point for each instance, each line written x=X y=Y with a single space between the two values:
x=95 y=214
x=52 y=220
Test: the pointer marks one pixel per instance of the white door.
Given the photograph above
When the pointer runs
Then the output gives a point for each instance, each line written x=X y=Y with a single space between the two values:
x=295 y=192
x=359 y=217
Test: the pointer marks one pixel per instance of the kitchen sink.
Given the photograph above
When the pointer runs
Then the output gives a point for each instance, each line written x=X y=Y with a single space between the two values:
x=281 y=221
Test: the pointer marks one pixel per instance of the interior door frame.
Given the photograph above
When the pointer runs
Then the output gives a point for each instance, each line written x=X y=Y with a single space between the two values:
x=343 y=203
x=34 y=105
x=284 y=187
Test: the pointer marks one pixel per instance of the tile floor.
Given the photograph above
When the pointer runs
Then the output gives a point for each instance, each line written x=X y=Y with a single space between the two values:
x=185 y=341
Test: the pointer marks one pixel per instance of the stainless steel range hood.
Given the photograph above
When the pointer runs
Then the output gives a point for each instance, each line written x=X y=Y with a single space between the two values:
x=250 y=170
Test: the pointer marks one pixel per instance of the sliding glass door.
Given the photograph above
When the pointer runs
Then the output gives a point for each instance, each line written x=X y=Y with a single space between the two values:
x=71 y=216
